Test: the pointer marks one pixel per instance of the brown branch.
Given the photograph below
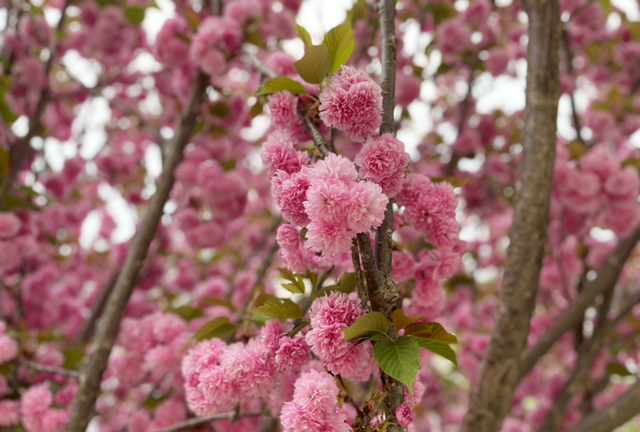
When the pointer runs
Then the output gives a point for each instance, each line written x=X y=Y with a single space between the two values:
x=588 y=352
x=614 y=415
x=569 y=58
x=605 y=281
x=20 y=152
x=492 y=398
x=357 y=268
x=462 y=121
x=199 y=420
x=50 y=369
x=86 y=332
x=90 y=379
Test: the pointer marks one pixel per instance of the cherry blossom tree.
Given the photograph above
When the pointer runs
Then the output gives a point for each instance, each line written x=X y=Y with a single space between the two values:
x=329 y=232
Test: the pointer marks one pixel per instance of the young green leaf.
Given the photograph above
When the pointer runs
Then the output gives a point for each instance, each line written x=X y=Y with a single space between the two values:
x=304 y=35
x=345 y=285
x=135 y=14
x=368 y=325
x=314 y=66
x=437 y=348
x=278 y=84
x=401 y=320
x=618 y=369
x=280 y=308
x=340 y=44
x=218 y=327
x=218 y=302
x=431 y=330
x=297 y=285
x=400 y=359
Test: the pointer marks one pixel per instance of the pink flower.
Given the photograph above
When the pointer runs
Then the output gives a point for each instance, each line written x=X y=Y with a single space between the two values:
x=623 y=185
x=404 y=414
x=427 y=298
x=9 y=225
x=8 y=349
x=352 y=103
x=383 y=161
x=328 y=342
x=454 y=37
x=317 y=392
x=284 y=109
x=171 y=49
x=297 y=419
x=278 y=154
x=336 y=308
x=403 y=266
x=498 y=61
x=329 y=238
x=292 y=353
x=9 y=413
x=327 y=201
x=292 y=195
x=214 y=36
x=335 y=168
x=356 y=365
x=227 y=196
x=407 y=89
x=433 y=214
x=414 y=186
x=366 y=207
x=621 y=219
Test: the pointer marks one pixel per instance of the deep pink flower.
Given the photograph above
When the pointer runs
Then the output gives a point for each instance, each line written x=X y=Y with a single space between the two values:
x=294 y=418
x=356 y=365
x=8 y=349
x=278 y=154
x=284 y=109
x=329 y=238
x=317 y=392
x=498 y=61
x=623 y=185
x=352 y=103
x=454 y=37
x=171 y=49
x=327 y=201
x=433 y=214
x=9 y=413
x=9 y=225
x=292 y=353
x=292 y=195
x=404 y=414
x=366 y=207
x=383 y=161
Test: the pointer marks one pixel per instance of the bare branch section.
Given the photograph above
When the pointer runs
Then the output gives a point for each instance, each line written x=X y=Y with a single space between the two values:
x=91 y=376
x=199 y=420
x=614 y=415
x=605 y=281
x=492 y=398
x=50 y=369
x=20 y=153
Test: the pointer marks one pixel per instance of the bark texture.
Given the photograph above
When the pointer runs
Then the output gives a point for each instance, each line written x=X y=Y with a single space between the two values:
x=491 y=400
x=91 y=376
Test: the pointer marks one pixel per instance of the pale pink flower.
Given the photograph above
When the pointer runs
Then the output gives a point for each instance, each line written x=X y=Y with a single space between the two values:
x=292 y=353
x=9 y=413
x=403 y=266
x=414 y=186
x=404 y=414
x=8 y=349
x=278 y=154
x=334 y=167
x=427 y=298
x=366 y=207
x=498 y=61
x=317 y=392
x=327 y=201
x=623 y=185
x=352 y=103
x=329 y=238
x=383 y=161
x=454 y=37
x=433 y=214
x=227 y=196
x=356 y=365
x=407 y=89
x=292 y=196
x=294 y=418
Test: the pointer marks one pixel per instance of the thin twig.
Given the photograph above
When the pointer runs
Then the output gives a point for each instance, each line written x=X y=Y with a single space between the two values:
x=357 y=268
x=569 y=59
x=50 y=369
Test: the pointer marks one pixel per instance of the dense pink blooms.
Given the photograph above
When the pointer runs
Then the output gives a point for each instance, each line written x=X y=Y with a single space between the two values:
x=314 y=406
x=37 y=416
x=9 y=225
x=215 y=38
x=498 y=61
x=292 y=353
x=297 y=257
x=454 y=37
x=171 y=48
x=352 y=103
x=334 y=168
x=407 y=89
x=284 y=109
x=9 y=413
x=8 y=348
x=278 y=154
x=427 y=298
x=366 y=207
x=383 y=161
x=404 y=414
x=329 y=238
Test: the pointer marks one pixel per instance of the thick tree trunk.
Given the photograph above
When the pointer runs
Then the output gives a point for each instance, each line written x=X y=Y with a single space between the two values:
x=491 y=400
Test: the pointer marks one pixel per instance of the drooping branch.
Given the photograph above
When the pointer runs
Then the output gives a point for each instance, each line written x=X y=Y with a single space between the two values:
x=199 y=420
x=605 y=281
x=21 y=151
x=91 y=376
x=614 y=415
x=50 y=369
x=491 y=400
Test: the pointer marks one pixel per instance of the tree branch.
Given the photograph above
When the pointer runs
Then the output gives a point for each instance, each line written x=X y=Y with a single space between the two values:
x=614 y=415
x=569 y=58
x=605 y=281
x=50 y=369
x=98 y=307
x=491 y=400
x=199 y=420
x=588 y=352
x=89 y=385
x=357 y=268
x=20 y=152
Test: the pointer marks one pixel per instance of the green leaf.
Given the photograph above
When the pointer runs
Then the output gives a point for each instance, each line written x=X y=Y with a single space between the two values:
x=5 y=163
x=431 y=330
x=218 y=327
x=618 y=369
x=187 y=312
x=340 y=44
x=400 y=320
x=633 y=162
x=5 y=369
x=371 y=324
x=220 y=109
x=297 y=328
x=280 y=308
x=577 y=149
x=400 y=359
x=135 y=14
x=7 y=114
x=213 y=301
x=297 y=285
x=441 y=349
x=72 y=357
x=278 y=84
x=345 y=285
x=456 y=182
x=313 y=67
x=304 y=35
x=358 y=11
